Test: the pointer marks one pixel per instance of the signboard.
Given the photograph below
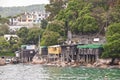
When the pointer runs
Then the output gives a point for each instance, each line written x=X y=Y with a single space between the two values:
x=96 y=39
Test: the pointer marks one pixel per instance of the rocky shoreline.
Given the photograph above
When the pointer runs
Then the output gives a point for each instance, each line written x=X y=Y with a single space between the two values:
x=101 y=63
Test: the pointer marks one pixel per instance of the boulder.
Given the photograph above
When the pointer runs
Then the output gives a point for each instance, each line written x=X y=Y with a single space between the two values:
x=2 y=62
x=119 y=62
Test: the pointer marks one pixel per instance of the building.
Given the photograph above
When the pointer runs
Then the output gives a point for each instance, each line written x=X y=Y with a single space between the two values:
x=27 y=53
x=15 y=28
x=89 y=53
x=8 y=36
x=54 y=52
x=29 y=18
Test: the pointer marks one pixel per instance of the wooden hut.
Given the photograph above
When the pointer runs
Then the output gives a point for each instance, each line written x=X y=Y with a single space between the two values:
x=89 y=53
x=43 y=50
x=27 y=53
x=68 y=52
x=54 y=52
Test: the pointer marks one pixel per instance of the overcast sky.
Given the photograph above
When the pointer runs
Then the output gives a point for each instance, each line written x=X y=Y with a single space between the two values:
x=11 y=3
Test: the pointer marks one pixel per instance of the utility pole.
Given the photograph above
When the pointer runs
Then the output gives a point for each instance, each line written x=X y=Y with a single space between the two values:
x=39 y=46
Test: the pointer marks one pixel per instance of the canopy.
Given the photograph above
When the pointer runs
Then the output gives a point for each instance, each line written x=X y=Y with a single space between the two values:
x=43 y=46
x=92 y=46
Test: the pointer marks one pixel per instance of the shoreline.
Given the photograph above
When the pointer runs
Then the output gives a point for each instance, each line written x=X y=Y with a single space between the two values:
x=103 y=65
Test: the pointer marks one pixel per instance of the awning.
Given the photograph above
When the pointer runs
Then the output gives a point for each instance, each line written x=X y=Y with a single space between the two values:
x=91 y=46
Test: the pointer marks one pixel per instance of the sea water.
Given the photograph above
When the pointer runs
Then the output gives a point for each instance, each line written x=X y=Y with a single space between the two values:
x=39 y=72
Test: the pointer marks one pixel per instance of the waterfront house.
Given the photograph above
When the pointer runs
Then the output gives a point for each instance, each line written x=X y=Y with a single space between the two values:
x=54 y=52
x=89 y=53
x=27 y=53
x=43 y=50
x=68 y=52
x=55 y=49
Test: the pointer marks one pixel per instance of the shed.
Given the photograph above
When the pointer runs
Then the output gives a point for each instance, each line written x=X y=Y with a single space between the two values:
x=89 y=53
x=56 y=49
x=54 y=52
x=68 y=52
x=27 y=55
x=43 y=50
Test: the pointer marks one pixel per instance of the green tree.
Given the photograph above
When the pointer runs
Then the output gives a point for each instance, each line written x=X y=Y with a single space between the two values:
x=79 y=17
x=44 y=24
x=4 y=45
x=54 y=7
x=56 y=26
x=112 y=47
x=113 y=15
x=23 y=34
x=15 y=44
x=50 y=38
x=4 y=20
x=4 y=29
x=33 y=35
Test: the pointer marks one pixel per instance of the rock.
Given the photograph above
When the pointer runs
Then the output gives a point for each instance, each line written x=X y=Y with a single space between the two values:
x=2 y=62
x=104 y=66
x=63 y=64
x=38 y=61
x=89 y=65
x=75 y=65
x=119 y=62
x=73 y=61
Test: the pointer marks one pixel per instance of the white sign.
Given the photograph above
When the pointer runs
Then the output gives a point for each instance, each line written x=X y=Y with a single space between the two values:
x=96 y=39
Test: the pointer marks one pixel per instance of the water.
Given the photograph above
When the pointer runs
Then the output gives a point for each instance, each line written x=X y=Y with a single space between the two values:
x=39 y=72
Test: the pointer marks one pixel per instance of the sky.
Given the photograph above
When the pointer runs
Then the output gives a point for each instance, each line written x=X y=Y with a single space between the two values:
x=11 y=3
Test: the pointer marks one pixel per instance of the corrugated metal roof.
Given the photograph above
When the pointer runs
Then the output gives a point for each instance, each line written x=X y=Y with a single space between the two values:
x=92 y=46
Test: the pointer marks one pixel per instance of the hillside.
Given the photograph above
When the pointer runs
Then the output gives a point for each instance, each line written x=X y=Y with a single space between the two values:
x=12 y=11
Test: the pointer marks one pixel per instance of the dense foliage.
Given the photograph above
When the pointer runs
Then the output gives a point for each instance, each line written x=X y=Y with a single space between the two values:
x=56 y=26
x=54 y=7
x=44 y=24
x=30 y=36
x=7 y=48
x=4 y=29
x=112 y=47
x=23 y=33
x=50 y=38
x=4 y=45
x=3 y=20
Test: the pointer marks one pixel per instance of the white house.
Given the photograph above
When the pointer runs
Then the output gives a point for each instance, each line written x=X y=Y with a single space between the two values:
x=28 y=18
x=8 y=36
x=15 y=28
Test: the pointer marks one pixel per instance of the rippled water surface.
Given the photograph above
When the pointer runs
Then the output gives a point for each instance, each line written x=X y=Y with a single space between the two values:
x=38 y=72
